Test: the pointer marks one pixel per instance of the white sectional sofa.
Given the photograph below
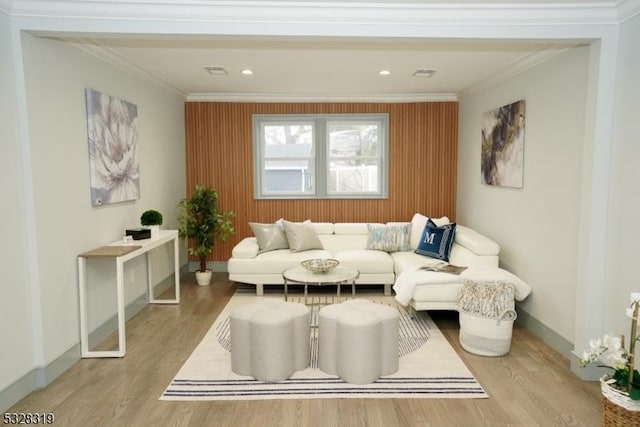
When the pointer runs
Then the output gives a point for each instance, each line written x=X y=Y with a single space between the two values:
x=348 y=242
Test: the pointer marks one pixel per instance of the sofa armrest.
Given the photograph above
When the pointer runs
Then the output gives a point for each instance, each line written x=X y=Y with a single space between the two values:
x=246 y=248
x=477 y=243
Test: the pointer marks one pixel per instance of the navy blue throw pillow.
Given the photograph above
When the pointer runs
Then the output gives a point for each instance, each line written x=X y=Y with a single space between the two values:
x=436 y=242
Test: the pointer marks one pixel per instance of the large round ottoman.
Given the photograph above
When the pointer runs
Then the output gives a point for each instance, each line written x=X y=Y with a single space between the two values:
x=358 y=340
x=270 y=339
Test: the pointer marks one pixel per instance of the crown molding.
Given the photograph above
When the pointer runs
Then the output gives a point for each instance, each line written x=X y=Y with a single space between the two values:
x=6 y=6
x=321 y=98
x=108 y=55
x=523 y=64
x=326 y=12
x=628 y=9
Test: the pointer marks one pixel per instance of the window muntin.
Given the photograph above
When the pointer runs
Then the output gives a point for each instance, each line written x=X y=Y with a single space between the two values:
x=320 y=156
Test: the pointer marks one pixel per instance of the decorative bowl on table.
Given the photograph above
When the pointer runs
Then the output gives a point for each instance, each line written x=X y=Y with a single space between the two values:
x=320 y=265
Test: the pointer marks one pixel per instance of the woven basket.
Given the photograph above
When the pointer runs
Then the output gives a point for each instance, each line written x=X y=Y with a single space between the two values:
x=618 y=409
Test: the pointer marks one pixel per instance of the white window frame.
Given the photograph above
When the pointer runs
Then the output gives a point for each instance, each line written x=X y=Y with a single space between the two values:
x=320 y=155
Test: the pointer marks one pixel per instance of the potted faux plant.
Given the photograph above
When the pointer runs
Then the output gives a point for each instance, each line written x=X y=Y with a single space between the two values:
x=201 y=221
x=151 y=219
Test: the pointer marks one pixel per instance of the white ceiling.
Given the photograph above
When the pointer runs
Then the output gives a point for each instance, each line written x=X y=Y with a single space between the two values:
x=319 y=67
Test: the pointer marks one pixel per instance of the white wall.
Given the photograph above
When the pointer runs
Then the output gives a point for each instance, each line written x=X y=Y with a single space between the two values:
x=536 y=226
x=17 y=348
x=66 y=223
x=56 y=75
x=624 y=204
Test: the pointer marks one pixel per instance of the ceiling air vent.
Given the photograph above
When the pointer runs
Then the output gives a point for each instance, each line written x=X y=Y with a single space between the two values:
x=216 y=71
x=424 y=73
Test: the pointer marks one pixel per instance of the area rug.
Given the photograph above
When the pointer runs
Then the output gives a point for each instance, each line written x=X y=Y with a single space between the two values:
x=429 y=367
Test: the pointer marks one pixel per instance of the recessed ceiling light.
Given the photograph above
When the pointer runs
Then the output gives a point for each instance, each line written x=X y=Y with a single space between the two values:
x=424 y=73
x=384 y=72
x=216 y=70
x=247 y=72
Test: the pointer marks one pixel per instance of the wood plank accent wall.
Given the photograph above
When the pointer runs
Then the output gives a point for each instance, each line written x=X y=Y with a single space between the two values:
x=422 y=169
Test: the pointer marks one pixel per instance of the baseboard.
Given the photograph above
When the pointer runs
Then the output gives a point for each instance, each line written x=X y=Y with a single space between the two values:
x=546 y=334
x=561 y=345
x=18 y=390
x=42 y=376
x=589 y=372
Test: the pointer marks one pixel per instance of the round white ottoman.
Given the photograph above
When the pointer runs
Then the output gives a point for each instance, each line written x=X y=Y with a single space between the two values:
x=390 y=329
x=240 y=327
x=359 y=342
x=271 y=345
x=328 y=338
x=301 y=317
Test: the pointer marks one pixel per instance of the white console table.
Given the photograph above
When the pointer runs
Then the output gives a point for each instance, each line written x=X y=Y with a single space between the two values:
x=123 y=252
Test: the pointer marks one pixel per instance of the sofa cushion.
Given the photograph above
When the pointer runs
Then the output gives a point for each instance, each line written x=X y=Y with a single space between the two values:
x=436 y=241
x=418 y=222
x=476 y=242
x=323 y=228
x=388 y=238
x=246 y=248
x=269 y=236
x=342 y=242
x=301 y=236
x=275 y=262
x=365 y=260
x=409 y=261
x=351 y=228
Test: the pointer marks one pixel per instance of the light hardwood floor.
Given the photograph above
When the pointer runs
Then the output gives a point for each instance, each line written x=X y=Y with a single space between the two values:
x=531 y=386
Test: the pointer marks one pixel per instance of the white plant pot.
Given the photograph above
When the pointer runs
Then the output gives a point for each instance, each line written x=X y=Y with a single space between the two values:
x=155 y=230
x=204 y=279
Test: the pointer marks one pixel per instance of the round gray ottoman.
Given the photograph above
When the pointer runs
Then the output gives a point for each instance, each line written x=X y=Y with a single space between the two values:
x=240 y=324
x=270 y=339
x=359 y=342
x=327 y=337
x=271 y=345
x=390 y=329
x=301 y=317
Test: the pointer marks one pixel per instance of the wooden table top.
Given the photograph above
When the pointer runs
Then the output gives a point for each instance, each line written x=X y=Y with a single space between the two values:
x=109 y=251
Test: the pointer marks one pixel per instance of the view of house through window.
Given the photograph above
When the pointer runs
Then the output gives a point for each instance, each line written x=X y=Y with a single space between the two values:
x=320 y=156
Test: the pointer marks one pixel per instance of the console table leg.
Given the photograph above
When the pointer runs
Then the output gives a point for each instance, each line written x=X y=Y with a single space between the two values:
x=176 y=269
x=82 y=289
x=120 y=298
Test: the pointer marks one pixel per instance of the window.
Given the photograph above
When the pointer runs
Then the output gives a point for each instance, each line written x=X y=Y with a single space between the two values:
x=320 y=156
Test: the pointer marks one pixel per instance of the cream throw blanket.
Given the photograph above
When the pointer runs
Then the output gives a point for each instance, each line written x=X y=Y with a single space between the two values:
x=408 y=280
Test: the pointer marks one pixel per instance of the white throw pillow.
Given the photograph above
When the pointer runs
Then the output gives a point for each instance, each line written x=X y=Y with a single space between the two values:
x=302 y=236
x=269 y=236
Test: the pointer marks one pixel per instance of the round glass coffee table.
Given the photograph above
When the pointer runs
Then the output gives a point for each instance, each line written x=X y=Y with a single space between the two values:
x=338 y=276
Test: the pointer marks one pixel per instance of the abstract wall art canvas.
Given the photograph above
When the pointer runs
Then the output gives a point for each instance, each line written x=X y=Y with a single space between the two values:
x=502 y=159
x=112 y=127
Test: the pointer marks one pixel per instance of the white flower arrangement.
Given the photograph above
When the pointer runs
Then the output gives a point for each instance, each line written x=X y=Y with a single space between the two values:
x=610 y=352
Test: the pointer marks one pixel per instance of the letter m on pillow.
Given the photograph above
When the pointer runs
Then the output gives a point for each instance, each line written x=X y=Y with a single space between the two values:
x=428 y=238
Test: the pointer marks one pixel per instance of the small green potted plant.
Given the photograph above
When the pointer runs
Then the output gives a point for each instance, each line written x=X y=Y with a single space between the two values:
x=151 y=219
x=203 y=222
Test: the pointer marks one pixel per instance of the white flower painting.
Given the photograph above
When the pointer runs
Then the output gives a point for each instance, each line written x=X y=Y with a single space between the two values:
x=502 y=162
x=112 y=126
